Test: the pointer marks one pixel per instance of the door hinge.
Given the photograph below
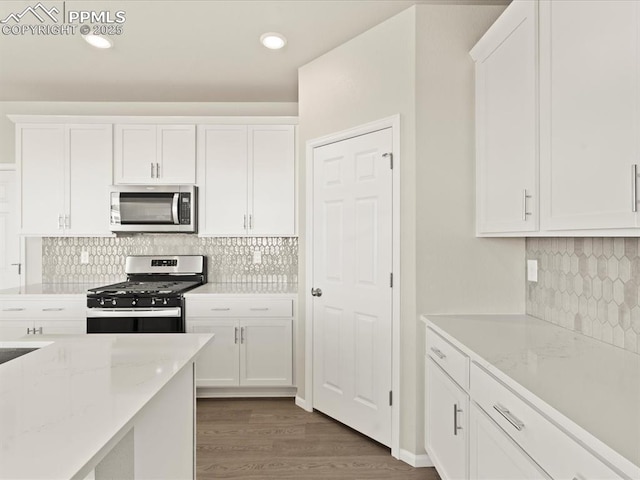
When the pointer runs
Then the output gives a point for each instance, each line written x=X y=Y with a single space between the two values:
x=391 y=280
x=390 y=397
x=390 y=155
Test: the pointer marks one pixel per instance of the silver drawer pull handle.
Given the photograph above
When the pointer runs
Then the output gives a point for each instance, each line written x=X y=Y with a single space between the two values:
x=634 y=187
x=509 y=417
x=438 y=353
x=56 y=309
x=456 y=411
x=220 y=309
x=12 y=309
x=259 y=309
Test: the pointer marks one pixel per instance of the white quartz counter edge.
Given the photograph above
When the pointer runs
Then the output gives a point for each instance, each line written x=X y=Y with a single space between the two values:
x=275 y=290
x=579 y=434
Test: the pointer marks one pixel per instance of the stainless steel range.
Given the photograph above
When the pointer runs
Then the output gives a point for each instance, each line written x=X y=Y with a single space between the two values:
x=151 y=299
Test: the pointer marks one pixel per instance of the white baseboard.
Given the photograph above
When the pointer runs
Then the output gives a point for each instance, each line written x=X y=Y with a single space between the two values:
x=414 y=460
x=302 y=403
x=244 y=392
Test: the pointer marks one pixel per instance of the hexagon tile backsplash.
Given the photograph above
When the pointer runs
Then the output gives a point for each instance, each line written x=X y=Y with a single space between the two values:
x=590 y=285
x=230 y=259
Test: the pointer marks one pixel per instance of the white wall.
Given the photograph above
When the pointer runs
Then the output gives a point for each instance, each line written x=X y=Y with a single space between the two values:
x=7 y=138
x=417 y=64
x=456 y=272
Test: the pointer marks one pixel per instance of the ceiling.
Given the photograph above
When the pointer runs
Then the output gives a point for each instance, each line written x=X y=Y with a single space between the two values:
x=182 y=50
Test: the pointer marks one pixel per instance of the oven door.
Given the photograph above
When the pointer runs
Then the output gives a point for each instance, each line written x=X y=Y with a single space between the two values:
x=135 y=320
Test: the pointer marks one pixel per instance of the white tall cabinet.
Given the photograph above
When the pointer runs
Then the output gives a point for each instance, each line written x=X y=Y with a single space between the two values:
x=64 y=173
x=246 y=175
x=590 y=113
x=506 y=126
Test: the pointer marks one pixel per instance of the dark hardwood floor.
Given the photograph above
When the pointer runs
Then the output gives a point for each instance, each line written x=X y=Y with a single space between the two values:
x=275 y=439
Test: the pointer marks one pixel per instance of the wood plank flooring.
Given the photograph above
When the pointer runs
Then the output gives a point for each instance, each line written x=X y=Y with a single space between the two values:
x=275 y=439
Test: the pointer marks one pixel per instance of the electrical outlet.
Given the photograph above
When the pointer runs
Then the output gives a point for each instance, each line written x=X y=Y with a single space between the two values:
x=257 y=256
x=532 y=270
x=84 y=257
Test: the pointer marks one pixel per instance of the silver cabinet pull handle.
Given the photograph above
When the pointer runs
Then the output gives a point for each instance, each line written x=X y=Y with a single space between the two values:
x=20 y=309
x=29 y=331
x=60 y=225
x=235 y=335
x=244 y=224
x=524 y=204
x=220 y=309
x=157 y=170
x=242 y=338
x=19 y=265
x=509 y=417
x=456 y=411
x=438 y=353
x=152 y=170
x=250 y=221
x=67 y=222
x=634 y=187
x=53 y=309
x=38 y=331
x=259 y=309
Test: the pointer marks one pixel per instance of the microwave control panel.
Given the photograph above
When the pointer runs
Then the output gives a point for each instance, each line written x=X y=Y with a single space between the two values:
x=185 y=208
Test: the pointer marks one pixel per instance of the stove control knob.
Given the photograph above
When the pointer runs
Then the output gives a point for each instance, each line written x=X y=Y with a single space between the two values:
x=153 y=301
x=134 y=301
x=164 y=301
x=102 y=301
x=113 y=302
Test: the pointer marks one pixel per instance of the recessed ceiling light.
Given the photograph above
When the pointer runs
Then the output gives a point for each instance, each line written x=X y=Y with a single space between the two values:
x=273 y=40
x=98 y=41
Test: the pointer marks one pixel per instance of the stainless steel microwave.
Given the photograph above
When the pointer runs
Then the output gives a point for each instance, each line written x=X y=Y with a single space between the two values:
x=153 y=208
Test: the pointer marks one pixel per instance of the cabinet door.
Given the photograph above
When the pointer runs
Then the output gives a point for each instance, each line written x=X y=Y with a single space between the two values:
x=589 y=94
x=494 y=456
x=266 y=352
x=14 y=329
x=222 y=177
x=272 y=180
x=506 y=122
x=134 y=156
x=89 y=176
x=446 y=423
x=40 y=155
x=217 y=365
x=176 y=162
x=61 y=326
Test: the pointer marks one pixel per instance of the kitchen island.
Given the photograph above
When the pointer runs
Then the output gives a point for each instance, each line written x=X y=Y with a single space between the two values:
x=103 y=406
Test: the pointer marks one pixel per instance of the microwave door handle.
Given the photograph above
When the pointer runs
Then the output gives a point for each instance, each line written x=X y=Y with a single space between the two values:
x=174 y=208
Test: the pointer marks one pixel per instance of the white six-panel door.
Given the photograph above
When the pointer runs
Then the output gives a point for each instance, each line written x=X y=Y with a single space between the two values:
x=352 y=251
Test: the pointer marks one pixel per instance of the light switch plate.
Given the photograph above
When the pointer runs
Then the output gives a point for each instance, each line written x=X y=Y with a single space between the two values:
x=532 y=270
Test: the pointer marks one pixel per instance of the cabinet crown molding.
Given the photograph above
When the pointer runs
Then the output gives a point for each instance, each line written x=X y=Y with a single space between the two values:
x=156 y=119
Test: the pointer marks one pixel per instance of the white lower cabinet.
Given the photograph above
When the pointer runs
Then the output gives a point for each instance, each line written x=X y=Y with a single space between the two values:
x=446 y=432
x=22 y=315
x=253 y=344
x=488 y=431
x=493 y=455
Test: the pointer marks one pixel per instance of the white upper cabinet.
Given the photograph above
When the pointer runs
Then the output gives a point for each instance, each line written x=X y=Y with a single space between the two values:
x=506 y=122
x=65 y=172
x=590 y=115
x=246 y=176
x=154 y=154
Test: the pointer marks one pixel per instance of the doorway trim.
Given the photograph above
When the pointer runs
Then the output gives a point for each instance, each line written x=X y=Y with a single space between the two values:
x=392 y=122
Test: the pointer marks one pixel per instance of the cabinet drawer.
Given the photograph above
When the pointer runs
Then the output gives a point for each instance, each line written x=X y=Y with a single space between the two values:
x=557 y=453
x=240 y=308
x=452 y=360
x=37 y=309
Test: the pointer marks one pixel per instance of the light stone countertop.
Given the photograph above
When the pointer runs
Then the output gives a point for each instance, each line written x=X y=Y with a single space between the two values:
x=593 y=384
x=244 y=289
x=61 y=404
x=51 y=289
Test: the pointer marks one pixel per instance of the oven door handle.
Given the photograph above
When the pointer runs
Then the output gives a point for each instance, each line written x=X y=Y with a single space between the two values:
x=133 y=312
x=174 y=208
